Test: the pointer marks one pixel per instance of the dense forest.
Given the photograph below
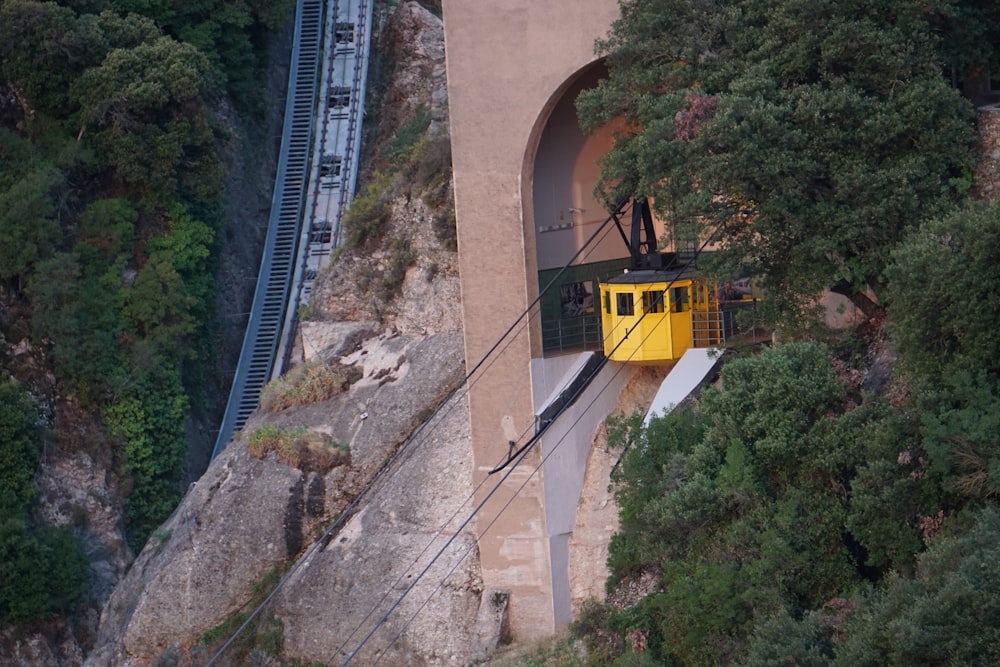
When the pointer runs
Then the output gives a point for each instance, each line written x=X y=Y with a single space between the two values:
x=113 y=115
x=831 y=499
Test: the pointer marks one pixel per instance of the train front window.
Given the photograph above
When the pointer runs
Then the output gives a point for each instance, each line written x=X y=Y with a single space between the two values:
x=652 y=302
x=625 y=305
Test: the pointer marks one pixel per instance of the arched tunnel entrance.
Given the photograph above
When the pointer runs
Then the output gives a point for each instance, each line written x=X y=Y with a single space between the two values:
x=561 y=216
x=565 y=214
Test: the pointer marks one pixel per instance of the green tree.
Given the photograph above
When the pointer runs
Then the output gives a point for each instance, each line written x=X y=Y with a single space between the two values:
x=77 y=316
x=43 y=571
x=806 y=136
x=970 y=32
x=942 y=294
x=949 y=614
x=227 y=32
x=943 y=312
x=145 y=110
x=19 y=452
x=28 y=229
x=148 y=422
x=42 y=50
x=740 y=506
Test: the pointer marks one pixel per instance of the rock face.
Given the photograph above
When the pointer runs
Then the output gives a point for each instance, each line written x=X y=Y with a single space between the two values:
x=398 y=576
x=246 y=516
x=376 y=549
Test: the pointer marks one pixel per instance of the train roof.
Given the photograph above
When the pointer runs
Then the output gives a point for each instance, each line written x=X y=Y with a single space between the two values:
x=644 y=276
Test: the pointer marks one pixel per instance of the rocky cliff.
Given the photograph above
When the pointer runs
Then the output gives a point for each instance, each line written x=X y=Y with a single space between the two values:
x=354 y=534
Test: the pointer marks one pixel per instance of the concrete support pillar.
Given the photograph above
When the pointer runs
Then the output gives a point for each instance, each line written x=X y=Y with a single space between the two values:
x=507 y=62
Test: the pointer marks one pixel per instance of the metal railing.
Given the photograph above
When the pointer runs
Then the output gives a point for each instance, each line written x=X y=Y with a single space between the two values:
x=574 y=333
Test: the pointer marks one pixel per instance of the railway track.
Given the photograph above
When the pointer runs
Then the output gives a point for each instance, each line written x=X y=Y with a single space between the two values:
x=291 y=240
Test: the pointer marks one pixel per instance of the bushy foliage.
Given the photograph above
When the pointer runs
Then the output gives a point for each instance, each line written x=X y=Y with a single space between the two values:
x=756 y=505
x=297 y=447
x=806 y=136
x=148 y=423
x=365 y=220
x=19 y=452
x=109 y=204
x=943 y=313
x=945 y=614
x=949 y=613
x=413 y=163
x=43 y=570
x=28 y=229
x=308 y=383
x=943 y=300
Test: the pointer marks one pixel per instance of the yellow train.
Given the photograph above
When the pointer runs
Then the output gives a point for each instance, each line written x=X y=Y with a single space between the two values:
x=656 y=315
x=657 y=310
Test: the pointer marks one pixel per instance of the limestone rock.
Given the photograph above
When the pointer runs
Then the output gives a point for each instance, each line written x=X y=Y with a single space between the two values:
x=246 y=516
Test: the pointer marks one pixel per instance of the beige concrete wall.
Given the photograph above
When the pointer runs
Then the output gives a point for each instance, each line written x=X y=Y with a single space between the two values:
x=507 y=62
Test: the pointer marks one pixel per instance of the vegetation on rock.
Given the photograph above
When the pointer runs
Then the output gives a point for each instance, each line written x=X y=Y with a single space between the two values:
x=298 y=447
x=43 y=570
x=109 y=216
x=307 y=383
x=808 y=509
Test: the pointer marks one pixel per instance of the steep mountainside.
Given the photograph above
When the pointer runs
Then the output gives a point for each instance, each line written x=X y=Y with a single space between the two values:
x=384 y=322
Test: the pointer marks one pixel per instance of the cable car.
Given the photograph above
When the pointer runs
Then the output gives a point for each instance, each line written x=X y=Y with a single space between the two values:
x=656 y=315
x=658 y=309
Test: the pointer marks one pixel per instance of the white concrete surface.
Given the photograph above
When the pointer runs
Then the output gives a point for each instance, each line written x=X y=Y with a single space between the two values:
x=683 y=378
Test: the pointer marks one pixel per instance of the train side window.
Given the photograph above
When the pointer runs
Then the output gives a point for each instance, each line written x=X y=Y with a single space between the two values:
x=679 y=301
x=625 y=305
x=344 y=32
x=340 y=97
x=652 y=301
x=607 y=302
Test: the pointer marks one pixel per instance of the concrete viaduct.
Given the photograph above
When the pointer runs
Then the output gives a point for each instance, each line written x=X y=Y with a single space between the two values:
x=524 y=174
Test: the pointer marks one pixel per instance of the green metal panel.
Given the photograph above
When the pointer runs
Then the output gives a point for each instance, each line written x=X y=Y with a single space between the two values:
x=570 y=312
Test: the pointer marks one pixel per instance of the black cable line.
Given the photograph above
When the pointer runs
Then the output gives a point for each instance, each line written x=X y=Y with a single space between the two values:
x=348 y=511
x=517 y=457
x=525 y=315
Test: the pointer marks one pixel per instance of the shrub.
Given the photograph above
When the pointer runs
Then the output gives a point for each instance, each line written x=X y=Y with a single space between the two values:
x=43 y=571
x=446 y=230
x=308 y=383
x=400 y=260
x=364 y=222
x=297 y=447
x=18 y=448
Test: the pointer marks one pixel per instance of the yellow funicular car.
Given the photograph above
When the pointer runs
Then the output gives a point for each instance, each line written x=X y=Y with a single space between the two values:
x=659 y=308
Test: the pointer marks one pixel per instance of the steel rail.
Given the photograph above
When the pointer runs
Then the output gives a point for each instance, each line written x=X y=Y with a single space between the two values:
x=272 y=293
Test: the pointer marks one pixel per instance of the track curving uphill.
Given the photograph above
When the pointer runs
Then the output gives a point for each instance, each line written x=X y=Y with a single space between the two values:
x=292 y=240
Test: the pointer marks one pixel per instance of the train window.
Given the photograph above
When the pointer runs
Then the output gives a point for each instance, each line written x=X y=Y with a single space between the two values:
x=652 y=301
x=330 y=166
x=607 y=302
x=321 y=231
x=344 y=32
x=340 y=97
x=679 y=299
x=625 y=305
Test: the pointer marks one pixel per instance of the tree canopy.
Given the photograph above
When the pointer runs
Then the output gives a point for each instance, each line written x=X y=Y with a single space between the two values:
x=804 y=136
x=113 y=116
